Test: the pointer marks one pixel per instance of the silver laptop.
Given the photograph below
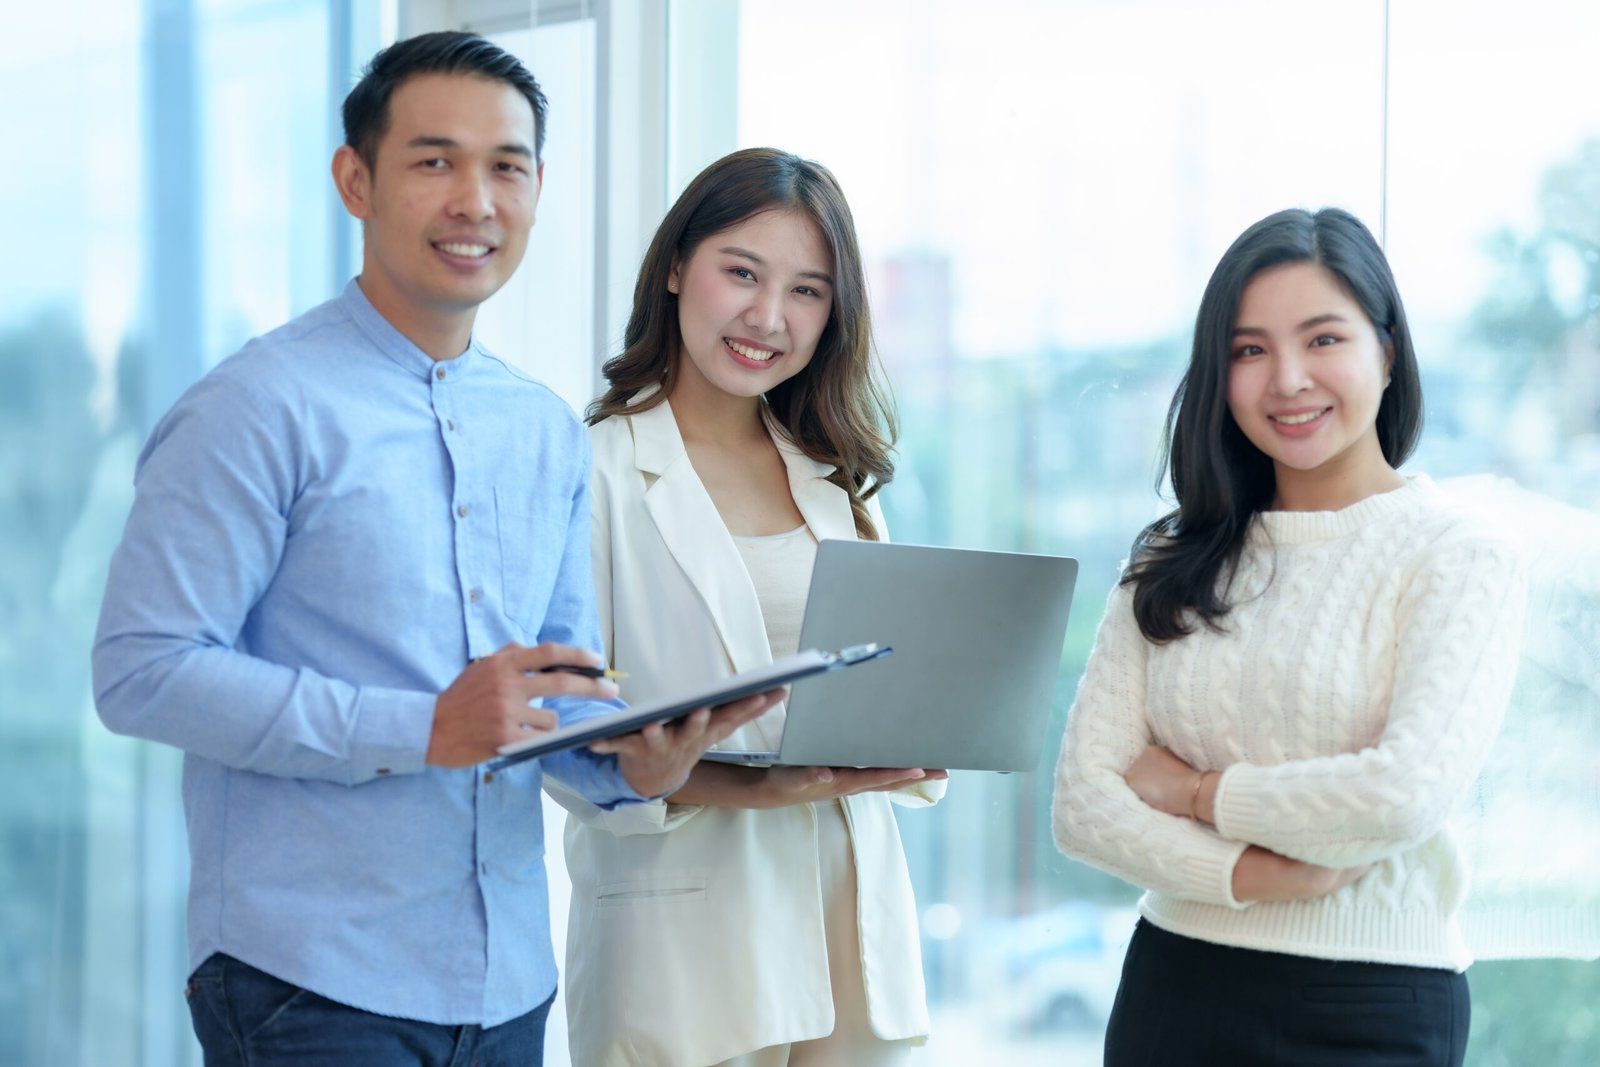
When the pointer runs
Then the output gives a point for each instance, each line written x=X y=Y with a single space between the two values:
x=977 y=639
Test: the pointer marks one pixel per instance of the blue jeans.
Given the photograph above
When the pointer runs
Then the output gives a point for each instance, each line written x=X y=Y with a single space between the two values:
x=244 y=1017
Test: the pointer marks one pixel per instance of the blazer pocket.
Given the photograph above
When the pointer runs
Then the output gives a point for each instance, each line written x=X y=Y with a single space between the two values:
x=671 y=889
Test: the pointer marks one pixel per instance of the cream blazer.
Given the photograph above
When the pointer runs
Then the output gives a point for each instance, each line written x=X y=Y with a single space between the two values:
x=696 y=933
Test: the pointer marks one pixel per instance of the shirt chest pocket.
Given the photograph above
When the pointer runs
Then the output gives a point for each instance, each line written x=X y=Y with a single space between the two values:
x=531 y=545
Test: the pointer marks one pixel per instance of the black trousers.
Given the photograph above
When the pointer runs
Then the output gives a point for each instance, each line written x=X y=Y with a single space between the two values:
x=1188 y=1003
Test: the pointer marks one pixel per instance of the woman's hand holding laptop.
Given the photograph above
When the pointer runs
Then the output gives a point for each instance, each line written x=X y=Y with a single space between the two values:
x=658 y=757
x=732 y=786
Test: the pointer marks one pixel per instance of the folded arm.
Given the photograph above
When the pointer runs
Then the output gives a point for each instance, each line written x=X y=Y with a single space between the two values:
x=1459 y=631
x=1098 y=818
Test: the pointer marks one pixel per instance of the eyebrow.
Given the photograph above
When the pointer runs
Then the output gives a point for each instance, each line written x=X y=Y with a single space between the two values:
x=1311 y=323
x=434 y=141
x=735 y=250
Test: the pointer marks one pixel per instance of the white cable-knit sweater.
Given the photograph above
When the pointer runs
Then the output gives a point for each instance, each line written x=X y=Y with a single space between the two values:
x=1352 y=697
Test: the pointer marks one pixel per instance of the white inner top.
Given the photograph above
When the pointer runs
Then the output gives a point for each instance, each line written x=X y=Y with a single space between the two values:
x=780 y=569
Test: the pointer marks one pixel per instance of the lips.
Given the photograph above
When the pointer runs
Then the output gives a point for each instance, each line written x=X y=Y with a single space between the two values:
x=464 y=251
x=751 y=354
x=460 y=248
x=1302 y=423
x=1300 y=418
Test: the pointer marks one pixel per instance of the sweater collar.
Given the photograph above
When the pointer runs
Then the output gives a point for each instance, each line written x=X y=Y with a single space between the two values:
x=1288 y=527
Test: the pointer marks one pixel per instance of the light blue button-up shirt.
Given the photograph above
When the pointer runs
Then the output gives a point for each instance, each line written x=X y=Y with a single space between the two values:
x=325 y=529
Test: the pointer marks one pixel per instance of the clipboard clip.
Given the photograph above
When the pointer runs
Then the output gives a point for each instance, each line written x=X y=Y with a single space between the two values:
x=861 y=653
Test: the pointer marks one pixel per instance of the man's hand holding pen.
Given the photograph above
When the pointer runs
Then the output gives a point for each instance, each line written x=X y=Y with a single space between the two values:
x=488 y=704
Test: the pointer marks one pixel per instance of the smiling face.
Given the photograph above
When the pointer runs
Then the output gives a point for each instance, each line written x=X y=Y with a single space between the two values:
x=753 y=301
x=1306 y=376
x=446 y=205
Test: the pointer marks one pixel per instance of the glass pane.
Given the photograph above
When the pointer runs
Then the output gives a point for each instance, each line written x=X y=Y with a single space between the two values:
x=1042 y=191
x=543 y=319
x=1494 y=206
x=170 y=175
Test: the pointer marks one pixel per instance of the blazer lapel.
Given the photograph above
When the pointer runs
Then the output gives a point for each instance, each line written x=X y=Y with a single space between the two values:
x=694 y=533
x=823 y=505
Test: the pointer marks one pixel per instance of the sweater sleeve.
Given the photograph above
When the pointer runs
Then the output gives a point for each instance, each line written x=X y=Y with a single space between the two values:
x=1097 y=818
x=1457 y=633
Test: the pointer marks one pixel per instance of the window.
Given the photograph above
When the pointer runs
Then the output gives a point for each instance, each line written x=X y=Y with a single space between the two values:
x=1042 y=191
x=543 y=319
x=158 y=232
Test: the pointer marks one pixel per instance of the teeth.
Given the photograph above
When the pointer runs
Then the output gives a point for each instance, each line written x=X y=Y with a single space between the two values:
x=464 y=250
x=1298 y=420
x=759 y=355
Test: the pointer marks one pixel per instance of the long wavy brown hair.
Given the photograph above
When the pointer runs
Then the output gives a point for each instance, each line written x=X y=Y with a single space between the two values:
x=837 y=410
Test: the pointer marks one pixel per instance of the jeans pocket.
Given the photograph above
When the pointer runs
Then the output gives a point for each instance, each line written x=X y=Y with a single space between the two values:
x=208 y=1013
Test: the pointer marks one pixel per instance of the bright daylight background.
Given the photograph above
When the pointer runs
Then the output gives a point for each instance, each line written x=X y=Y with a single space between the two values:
x=1041 y=188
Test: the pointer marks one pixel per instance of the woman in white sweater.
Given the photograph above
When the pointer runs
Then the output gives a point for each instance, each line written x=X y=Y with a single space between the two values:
x=758 y=917
x=1296 y=680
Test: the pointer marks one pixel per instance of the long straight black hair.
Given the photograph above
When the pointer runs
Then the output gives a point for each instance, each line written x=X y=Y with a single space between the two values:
x=1182 y=564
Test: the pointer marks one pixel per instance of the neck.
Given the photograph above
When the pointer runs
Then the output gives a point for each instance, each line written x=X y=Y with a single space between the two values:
x=1332 y=486
x=708 y=415
x=441 y=334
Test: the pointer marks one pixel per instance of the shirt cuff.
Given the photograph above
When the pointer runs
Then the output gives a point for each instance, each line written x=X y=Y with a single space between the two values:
x=392 y=730
x=596 y=778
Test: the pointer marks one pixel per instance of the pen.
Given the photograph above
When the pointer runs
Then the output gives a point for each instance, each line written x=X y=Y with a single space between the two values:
x=587 y=672
x=574 y=668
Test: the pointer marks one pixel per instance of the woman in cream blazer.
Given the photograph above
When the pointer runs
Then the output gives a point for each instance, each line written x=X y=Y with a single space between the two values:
x=697 y=932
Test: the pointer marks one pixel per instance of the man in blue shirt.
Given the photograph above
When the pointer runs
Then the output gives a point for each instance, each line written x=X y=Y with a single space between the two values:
x=354 y=545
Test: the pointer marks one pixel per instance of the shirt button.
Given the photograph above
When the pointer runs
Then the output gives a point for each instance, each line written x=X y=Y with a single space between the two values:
x=383 y=770
x=488 y=776
x=439 y=373
x=483 y=868
x=450 y=424
x=462 y=511
x=475 y=595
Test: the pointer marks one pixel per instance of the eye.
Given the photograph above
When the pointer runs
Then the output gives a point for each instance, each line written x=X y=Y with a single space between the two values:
x=434 y=163
x=742 y=272
x=806 y=290
x=1248 y=351
x=516 y=170
x=1323 y=340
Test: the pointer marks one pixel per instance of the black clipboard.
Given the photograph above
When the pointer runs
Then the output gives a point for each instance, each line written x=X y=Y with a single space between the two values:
x=725 y=691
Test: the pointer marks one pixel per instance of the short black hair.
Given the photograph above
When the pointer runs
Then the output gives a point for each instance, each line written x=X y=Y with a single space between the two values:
x=366 y=109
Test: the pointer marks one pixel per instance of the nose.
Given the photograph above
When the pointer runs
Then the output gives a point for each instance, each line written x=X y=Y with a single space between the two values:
x=471 y=198
x=765 y=312
x=1289 y=373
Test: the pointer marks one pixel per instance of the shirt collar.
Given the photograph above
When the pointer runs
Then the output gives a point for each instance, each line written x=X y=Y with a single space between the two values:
x=396 y=345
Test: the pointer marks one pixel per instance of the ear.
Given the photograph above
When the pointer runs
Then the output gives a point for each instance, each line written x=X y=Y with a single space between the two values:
x=1388 y=362
x=353 y=180
x=674 y=280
